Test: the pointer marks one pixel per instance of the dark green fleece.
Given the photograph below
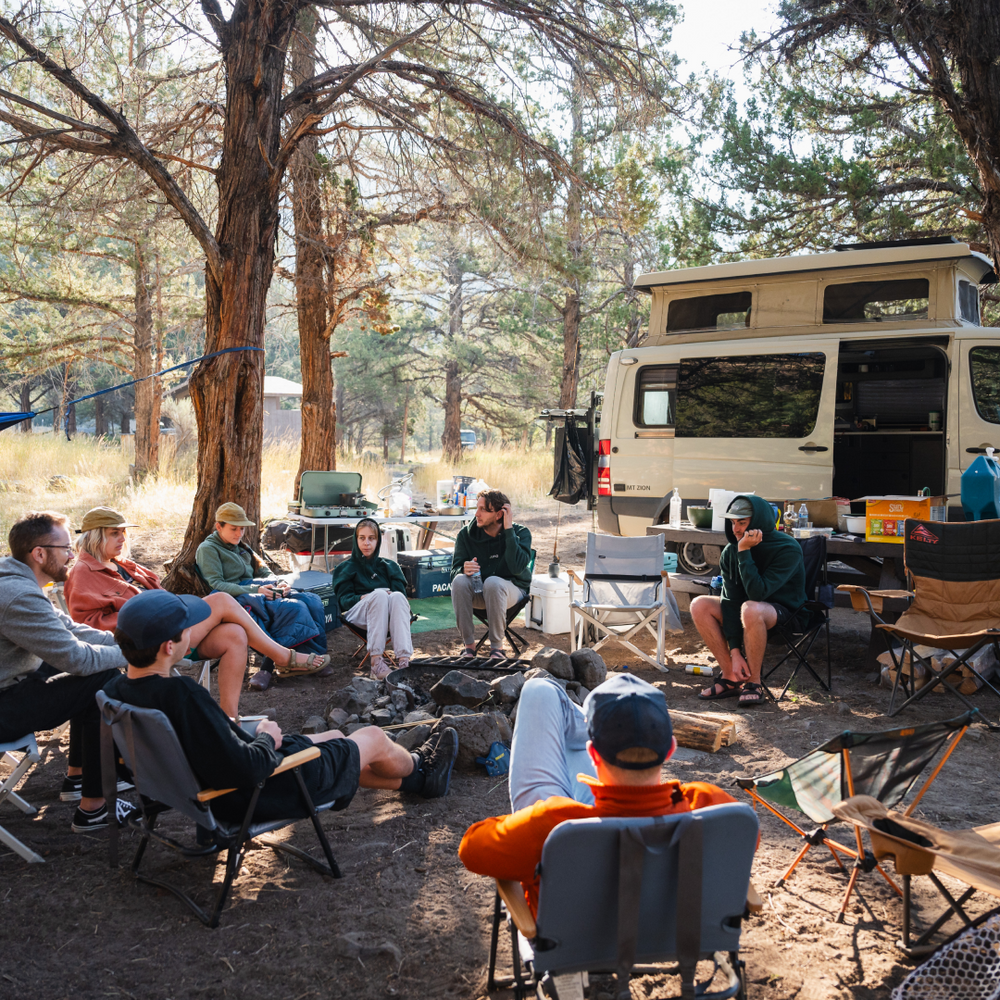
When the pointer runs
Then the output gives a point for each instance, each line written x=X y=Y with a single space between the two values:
x=771 y=571
x=358 y=576
x=507 y=555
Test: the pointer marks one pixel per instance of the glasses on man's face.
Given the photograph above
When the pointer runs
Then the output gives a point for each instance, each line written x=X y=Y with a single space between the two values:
x=68 y=548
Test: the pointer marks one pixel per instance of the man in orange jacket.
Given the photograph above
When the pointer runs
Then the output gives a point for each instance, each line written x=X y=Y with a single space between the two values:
x=630 y=737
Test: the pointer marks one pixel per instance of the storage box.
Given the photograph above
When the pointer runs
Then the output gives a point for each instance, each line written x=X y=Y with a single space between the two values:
x=427 y=572
x=823 y=513
x=548 y=609
x=886 y=516
x=330 y=610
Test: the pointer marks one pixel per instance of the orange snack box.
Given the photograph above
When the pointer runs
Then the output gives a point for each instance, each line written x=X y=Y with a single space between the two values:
x=886 y=516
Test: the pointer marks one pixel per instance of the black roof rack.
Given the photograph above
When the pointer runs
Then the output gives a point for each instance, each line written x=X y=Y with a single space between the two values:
x=926 y=241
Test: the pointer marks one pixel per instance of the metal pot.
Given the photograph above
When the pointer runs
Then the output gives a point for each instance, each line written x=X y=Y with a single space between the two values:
x=351 y=499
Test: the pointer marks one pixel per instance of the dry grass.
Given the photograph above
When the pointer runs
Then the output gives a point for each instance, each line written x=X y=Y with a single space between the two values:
x=524 y=475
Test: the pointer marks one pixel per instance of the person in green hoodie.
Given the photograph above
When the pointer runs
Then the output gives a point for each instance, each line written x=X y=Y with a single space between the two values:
x=491 y=569
x=763 y=585
x=371 y=592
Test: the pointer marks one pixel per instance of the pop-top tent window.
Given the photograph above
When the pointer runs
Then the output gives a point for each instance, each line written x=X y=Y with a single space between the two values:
x=710 y=312
x=876 y=301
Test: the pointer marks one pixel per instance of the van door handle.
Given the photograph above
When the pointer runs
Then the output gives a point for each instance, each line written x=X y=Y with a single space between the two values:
x=814 y=447
x=978 y=451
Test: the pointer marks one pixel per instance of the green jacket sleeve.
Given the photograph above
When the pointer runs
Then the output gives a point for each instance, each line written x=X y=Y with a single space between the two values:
x=461 y=555
x=210 y=563
x=517 y=552
x=343 y=586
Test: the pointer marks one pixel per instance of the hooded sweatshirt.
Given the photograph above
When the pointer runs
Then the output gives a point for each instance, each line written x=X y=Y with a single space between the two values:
x=224 y=565
x=506 y=555
x=771 y=571
x=33 y=632
x=358 y=576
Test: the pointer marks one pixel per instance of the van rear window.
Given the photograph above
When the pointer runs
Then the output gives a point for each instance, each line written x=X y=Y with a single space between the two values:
x=756 y=396
x=709 y=312
x=876 y=301
x=984 y=363
x=655 y=391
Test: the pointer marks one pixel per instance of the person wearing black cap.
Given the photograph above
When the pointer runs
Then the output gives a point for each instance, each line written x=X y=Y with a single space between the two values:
x=630 y=737
x=153 y=631
x=763 y=581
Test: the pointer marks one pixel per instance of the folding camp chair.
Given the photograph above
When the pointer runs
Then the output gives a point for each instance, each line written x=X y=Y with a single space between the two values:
x=518 y=642
x=656 y=889
x=27 y=748
x=917 y=848
x=883 y=765
x=625 y=590
x=164 y=780
x=361 y=633
x=798 y=639
x=955 y=604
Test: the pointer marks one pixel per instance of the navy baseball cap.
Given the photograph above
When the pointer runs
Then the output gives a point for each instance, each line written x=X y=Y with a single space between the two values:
x=624 y=713
x=154 y=616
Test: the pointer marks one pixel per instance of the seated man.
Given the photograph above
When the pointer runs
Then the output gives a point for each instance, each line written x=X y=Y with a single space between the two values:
x=153 y=631
x=51 y=667
x=489 y=570
x=630 y=736
x=763 y=585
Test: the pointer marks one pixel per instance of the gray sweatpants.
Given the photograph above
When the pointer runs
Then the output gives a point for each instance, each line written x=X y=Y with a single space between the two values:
x=498 y=595
x=549 y=748
x=380 y=612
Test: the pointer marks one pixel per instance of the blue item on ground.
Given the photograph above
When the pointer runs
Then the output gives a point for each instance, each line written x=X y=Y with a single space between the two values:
x=497 y=761
x=981 y=489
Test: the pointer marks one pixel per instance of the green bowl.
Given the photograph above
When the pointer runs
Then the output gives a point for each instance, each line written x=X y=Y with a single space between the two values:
x=700 y=517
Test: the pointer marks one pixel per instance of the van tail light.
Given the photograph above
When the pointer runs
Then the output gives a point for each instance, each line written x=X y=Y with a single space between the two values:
x=604 y=468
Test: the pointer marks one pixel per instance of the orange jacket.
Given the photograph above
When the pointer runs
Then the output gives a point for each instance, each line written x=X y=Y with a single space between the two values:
x=95 y=594
x=510 y=847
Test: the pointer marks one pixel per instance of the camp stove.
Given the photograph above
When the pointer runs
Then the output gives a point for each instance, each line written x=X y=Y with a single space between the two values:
x=332 y=494
x=333 y=511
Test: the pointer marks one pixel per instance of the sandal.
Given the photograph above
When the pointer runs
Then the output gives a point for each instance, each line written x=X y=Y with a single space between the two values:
x=751 y=696
x=315 y=662
x=729 y=689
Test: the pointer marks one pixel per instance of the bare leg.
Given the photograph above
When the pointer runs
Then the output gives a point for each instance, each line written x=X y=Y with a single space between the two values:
x=757 y=617
x=228 y=642
x=383 y=764
x=706 y=613
x=226 y=609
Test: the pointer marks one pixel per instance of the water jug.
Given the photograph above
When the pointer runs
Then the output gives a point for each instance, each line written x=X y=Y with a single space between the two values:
x=981 y=488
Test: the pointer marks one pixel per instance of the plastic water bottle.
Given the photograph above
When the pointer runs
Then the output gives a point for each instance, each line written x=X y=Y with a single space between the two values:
x=803 y=516
x=716 y=586
x=477 y=582
x=675 y=508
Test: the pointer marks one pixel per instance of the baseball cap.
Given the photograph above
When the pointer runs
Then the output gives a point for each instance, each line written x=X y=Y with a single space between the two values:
x=624 y=713
x=154 y=616
x=103 y=517
x=740 y=507
x=233 y=513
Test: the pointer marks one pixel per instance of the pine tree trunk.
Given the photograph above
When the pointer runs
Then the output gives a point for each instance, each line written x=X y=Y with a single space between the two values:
x=318 y=449
x=147 y=394
x=25 y=406
x=574 y=232
x=227 y=391
x=100 y=418
x=451 y=438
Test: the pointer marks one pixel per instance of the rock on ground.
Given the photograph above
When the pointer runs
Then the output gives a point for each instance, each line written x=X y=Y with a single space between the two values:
x=555 y=661
x=314 y=724
x=456 y=688
x=338 y=718
x=589 y=667
x=507 y=688
x=410 y=739
x=476 y=734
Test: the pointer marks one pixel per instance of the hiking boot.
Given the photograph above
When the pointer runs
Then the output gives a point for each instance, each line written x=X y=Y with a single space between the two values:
x=72 y=788
x=85 y=820
x=437 y=758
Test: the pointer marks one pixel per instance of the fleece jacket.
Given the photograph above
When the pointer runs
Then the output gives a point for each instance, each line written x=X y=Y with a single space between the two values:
x=507 y=555
x=358 y=576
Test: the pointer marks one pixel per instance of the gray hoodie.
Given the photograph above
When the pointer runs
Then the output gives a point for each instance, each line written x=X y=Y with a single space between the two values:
x=33 y=632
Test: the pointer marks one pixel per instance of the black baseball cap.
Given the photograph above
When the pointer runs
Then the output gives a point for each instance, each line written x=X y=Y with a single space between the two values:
x=740 y=507
x=154 y=616
x=624 y=713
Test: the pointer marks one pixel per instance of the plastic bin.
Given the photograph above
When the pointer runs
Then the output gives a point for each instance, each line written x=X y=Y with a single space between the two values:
x=427 y=572
x=548 y=609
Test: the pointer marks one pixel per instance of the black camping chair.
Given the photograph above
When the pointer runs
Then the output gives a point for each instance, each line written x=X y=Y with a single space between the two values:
x=796 y=638
x=518 y=642
x=164 y=780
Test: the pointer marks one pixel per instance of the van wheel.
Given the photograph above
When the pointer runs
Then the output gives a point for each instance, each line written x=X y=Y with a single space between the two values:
x=691 y=559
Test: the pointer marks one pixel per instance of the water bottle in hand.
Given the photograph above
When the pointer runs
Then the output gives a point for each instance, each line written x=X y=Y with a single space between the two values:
x=477 y=582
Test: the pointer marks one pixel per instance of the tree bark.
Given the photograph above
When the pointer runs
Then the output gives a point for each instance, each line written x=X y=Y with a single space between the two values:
x=574 y=245
x=406 y=417
x=227 y=391
x=25 y=405
x=318 y=449
x=100 y=418
x=148 y=393
x=451 y=438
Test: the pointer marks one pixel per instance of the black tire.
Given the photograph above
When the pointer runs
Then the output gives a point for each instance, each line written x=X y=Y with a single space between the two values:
x=691 y=559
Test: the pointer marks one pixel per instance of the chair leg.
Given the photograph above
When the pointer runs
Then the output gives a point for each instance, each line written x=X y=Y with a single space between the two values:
x=491 y=983
x=791 y=868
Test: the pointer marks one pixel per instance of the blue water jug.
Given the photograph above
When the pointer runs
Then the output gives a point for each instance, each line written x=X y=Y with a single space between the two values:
x=981 y=488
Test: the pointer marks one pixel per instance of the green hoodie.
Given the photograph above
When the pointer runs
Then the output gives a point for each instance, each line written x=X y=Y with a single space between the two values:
x=771 y=571
x=508 y=554
x=358 y=576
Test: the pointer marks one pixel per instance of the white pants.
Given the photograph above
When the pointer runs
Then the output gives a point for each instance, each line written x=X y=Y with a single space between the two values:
x=382 y=612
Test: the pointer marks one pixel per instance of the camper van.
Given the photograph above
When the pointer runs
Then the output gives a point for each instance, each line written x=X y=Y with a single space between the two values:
x=859 y=372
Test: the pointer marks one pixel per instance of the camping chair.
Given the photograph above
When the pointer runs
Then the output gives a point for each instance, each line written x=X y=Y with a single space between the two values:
x=883 y=765
x=164 y=780
x=625 y=590
x=656 y=889
x=519 y=643
x=29 y=756
x=799 y=641
x=955 y=605
x=917 y=848
x=361 y=633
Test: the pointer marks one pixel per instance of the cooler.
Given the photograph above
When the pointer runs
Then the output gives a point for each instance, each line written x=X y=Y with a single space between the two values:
x=427 y=572
x=548 y=609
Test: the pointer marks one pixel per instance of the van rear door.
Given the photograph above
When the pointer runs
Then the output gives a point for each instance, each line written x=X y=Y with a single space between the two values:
x=756 y=418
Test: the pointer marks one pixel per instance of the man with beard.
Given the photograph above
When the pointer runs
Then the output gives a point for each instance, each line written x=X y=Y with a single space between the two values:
x=51 y=667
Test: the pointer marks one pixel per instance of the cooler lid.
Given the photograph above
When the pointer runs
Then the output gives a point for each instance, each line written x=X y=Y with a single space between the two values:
x=323 y=489
x=543 y=585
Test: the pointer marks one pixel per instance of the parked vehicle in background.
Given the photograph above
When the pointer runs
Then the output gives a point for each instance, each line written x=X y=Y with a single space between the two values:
x=469 y=439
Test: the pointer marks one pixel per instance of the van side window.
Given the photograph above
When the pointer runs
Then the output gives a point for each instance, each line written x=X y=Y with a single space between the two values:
x=984 y=363
x=655 y=394
x=709 y=312
x=875 y=301
x=756 y=396
x=968 y=301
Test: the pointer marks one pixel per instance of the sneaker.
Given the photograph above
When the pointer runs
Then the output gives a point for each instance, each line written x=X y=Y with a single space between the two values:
x=85 y=820
x=437 y=758
x=72 y=788
x=380 y=669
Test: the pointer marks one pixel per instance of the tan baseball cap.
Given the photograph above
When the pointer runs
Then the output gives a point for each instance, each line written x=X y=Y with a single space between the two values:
x=103 y=517
x=233 y=513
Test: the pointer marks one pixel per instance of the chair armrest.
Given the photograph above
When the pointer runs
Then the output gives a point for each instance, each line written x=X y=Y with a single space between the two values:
x=863 y=599
x=665 y=578
x=517 y=906
x=287 y=764
x=572 y=575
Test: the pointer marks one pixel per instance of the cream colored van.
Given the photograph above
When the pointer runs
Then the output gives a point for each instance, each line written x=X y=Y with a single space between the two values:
x=863 y=371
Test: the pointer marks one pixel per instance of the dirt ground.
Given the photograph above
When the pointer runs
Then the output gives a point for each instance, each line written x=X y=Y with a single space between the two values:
x=76 y=928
